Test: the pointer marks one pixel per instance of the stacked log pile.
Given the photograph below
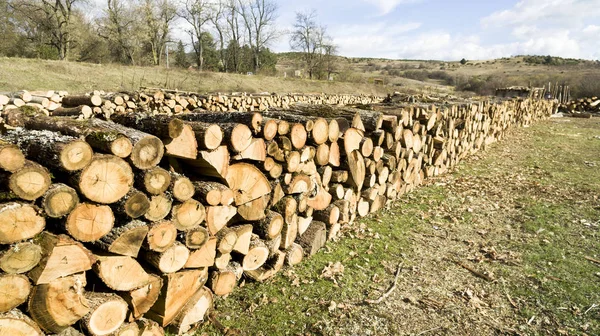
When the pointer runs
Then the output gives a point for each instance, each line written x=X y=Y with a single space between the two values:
x=134 y=225
x=161 y=101
x=585 y=107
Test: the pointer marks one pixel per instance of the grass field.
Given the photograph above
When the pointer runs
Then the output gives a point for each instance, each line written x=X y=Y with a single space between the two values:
x=35 y=74
x=525 y=213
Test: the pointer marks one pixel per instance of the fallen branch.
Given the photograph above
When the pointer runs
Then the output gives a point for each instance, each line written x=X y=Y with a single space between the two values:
x=473 y=271
x=595 y=261
x=389 y=292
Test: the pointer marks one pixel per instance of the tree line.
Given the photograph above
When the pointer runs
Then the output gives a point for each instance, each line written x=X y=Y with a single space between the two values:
x=223 y=35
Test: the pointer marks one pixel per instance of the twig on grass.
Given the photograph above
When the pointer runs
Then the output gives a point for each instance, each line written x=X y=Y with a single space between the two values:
x=389 y=292
x=472 y=270
x=595 y=261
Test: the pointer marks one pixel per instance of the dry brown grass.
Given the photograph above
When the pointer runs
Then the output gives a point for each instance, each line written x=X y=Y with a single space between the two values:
x=35 y=74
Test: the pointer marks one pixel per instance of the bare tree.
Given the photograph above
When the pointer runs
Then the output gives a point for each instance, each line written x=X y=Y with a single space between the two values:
x=158 y=18
x=259 y=19
x=119 y=27
x=197 y=13
x=219 y=22
x=54 y=17
x=309 y=38
x=329 y=61
x=232 y=17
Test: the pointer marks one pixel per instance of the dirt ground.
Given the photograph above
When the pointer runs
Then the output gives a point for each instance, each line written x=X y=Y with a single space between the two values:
x=506 y=245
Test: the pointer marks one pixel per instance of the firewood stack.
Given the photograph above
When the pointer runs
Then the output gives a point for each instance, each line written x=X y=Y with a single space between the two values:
x=583 y=106
x=161 y=101
x=134 y=225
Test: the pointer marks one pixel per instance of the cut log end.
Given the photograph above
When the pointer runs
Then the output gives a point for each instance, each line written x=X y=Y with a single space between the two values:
x=89 y=222
x=30 y=182
x=121 y=147
x=147 y=152
x=213 y=137
x=59 y=200
x=106 y=179
x=108 y=312
x=15 y=323
x=19 y=222
x=76 y=155
x=11 y=157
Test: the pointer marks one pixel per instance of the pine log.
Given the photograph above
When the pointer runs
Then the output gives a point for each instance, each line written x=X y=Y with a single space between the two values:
x=140 y=300
x=56 y=151
x=20 y=257
x=213 y=163
x=256 y=256
x=222 y=282
x=188 y=215
x=185 y=146
x=88 y=222
x=105 y=180
x=269 y=269
x=270 y=226
x=160 y=207
x=195 y=238
x=243 y=236
x=62 y=256
x=75 y=111
x=92 y=100
x=161 y=236
x=193 y=312
x=204 y=256
x=252 y=120
x=120 y=273
x=155 y=180
x=149 y=328
x=15 y=323
x=11 y=157
x=134 y=204
x=15 y=289
x=209 y=192
x=254 y=210
x=107 y=313
x=19 y=222
x=125 y=239
x=314 y=238
x=171 y=260
x=226 y=239
x=162 y=126
x=181 y=187
x=217 y=217
x=59 y=200
x=177 y=290
x=294 y=254
x=29 y=182
x=58 y=304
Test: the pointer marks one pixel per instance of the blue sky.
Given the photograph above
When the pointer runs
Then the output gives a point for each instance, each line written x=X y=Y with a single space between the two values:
x=451 y=30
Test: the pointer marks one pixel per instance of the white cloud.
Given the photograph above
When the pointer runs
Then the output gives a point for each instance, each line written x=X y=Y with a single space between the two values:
x=559 y=12
x=379 y=39
x=386 y=6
